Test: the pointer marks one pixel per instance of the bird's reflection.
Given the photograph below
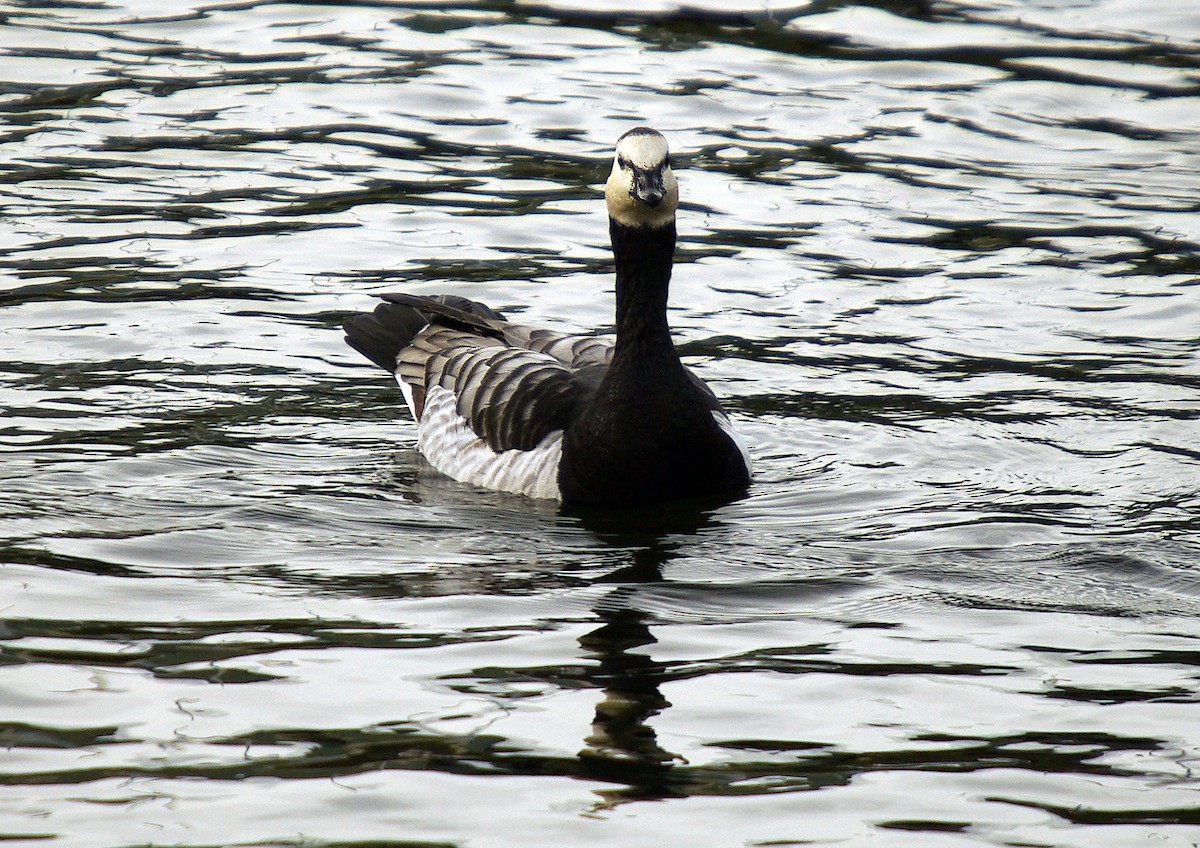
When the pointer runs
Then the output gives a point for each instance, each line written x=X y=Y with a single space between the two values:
x=622 y=747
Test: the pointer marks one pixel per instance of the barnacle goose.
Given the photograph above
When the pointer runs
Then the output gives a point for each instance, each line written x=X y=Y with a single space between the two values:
x=582 y=419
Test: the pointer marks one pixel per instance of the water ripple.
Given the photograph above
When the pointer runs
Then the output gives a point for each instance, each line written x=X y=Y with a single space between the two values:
x=939 y=259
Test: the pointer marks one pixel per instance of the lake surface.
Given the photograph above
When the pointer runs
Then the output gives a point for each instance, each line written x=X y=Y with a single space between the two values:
x=941 y=262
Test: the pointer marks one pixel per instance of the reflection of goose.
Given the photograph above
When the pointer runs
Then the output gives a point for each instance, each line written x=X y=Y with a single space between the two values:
x=580 y=419
x=622 y=747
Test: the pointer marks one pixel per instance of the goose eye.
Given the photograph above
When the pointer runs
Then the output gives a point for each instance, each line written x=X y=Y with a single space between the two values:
x=623 y=163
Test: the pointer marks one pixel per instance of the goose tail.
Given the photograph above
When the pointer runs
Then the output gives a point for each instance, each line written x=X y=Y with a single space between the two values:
x=382 y=334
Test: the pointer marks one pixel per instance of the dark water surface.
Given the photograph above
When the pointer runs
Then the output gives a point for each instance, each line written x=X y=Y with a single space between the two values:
x=942 y=262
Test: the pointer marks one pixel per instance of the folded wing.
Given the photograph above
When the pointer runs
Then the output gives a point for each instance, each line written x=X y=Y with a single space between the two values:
x=491 y=398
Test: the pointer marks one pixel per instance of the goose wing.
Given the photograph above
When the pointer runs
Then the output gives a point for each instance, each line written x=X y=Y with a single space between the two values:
x=576 y=352
x=511 y=398
x=491 y=414
x=490 y=410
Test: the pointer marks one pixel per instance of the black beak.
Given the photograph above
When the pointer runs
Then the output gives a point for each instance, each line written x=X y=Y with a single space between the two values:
x=648 y=186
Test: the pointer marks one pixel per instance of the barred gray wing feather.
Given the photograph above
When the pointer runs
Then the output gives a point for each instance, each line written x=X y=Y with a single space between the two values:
x=588 y=356
x=575 y=351
x=427 y=353
x=511 y=397
x=475 y=319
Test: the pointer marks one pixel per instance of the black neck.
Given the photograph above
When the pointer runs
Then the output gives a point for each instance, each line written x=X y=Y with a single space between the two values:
x=643 y=257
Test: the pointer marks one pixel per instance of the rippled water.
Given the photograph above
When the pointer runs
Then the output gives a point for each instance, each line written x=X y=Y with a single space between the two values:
x=941 y=261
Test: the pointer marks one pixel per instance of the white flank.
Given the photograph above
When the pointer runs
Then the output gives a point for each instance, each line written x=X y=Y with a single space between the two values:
x=406 y=390
x=453 y=448
x=727 y=428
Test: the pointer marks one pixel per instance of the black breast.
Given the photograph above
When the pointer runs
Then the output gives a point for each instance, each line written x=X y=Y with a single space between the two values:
x=647 y=438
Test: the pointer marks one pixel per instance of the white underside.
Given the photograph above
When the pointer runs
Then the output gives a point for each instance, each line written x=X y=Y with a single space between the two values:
x=727 y=428
x=453 y=448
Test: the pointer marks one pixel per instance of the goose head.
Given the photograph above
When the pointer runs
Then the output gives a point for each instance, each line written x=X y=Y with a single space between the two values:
x=641 y=190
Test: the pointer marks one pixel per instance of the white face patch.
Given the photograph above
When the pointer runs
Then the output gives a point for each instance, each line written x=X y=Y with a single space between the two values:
x=641 y=156
x=643 y=149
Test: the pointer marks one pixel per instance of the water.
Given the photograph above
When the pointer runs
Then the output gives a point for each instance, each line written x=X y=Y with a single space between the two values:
x=941 y=262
